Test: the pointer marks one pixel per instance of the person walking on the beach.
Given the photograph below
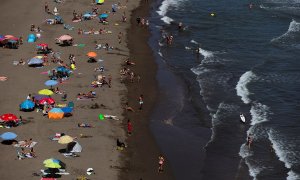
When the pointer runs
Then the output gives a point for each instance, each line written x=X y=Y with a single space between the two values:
x=161 y=161
x=46 y=7
x=141 y=102
x=249 y=140
x=129 y=127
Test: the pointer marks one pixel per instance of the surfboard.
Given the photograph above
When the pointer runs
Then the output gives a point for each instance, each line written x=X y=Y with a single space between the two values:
x=243 y=119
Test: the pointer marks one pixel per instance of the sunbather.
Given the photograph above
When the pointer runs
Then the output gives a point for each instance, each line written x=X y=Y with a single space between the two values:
x=85 y=125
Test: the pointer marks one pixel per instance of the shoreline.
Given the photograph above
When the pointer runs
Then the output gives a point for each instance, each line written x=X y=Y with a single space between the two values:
x=141 y=158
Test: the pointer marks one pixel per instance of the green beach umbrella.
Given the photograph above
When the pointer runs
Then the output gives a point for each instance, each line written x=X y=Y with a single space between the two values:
x=101 y=117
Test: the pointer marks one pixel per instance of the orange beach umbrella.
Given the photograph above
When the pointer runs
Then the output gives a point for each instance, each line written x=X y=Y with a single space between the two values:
x=91 y=54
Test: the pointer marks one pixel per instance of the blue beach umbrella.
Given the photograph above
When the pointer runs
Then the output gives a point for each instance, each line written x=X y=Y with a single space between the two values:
x=8 y=136
x=35 y=61
x=67 y=109
x=27 y=105
x=87 y=15
x=103 y=16
x=62 y=69
x=51 y=83
x=56 y=110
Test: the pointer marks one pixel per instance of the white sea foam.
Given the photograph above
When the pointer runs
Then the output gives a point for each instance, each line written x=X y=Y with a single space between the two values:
x=206 y=54
x=284 y=148
x=259 y=113
x=194 y=42
x=241 y=87
x=293 y=176
x=160 y=54
x=294 y=27
x=165 y=6
x=167 y=19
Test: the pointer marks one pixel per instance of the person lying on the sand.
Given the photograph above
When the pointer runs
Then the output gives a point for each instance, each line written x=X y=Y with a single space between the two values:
x=84 y=125
x=21 y=62
x=128 y=108
x=128 y=62
x=120 y=145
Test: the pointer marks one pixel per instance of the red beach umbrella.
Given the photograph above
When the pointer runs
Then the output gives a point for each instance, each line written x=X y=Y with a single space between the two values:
x=11 y=37
x=8 y=117
x=47 y=100
x=44 y=45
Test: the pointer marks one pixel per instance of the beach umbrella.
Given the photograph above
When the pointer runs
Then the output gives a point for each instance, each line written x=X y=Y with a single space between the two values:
x=103 y=16
x=101 y=117
x=99 y=1
x=46 y=92
x=10 y=37
x=74 y=147
x=65 y=38
x=51 y=83
x=39 y=97
x=67 y=109
x=87 y=15
x=12 y=41
x=41 y=46
x=62 y=69
x=91 y=54
x=65 y=139
x=8 y=136
x=47 y=100
x=27 y=105
x=9 y=117
x=35 y=61
x=54 y=163
x=55 y=113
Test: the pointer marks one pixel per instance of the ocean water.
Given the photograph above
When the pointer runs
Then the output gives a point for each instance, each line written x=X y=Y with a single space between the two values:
x=248 y=62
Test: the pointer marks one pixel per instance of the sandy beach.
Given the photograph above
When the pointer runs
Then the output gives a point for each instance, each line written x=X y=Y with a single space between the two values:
x=99 y=150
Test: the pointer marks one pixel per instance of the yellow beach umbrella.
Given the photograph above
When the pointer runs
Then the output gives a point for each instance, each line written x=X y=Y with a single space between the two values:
x=46 y=92
x=65 y=139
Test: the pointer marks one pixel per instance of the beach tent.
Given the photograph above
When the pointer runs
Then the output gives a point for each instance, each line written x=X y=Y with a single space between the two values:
x=55 y=113
x=74 y=147
x=27 y=105
x=99 y=1
x=31 y=38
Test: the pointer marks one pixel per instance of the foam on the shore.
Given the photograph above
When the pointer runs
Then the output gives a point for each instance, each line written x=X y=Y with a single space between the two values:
x=241 y=87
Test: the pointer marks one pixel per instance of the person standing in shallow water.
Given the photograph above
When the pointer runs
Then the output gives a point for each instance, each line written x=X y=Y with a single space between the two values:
x=141 y=102
x=129 y=127
x=161 y=161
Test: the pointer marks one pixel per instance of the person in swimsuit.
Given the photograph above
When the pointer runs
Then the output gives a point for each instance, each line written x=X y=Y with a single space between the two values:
x=161 y=161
